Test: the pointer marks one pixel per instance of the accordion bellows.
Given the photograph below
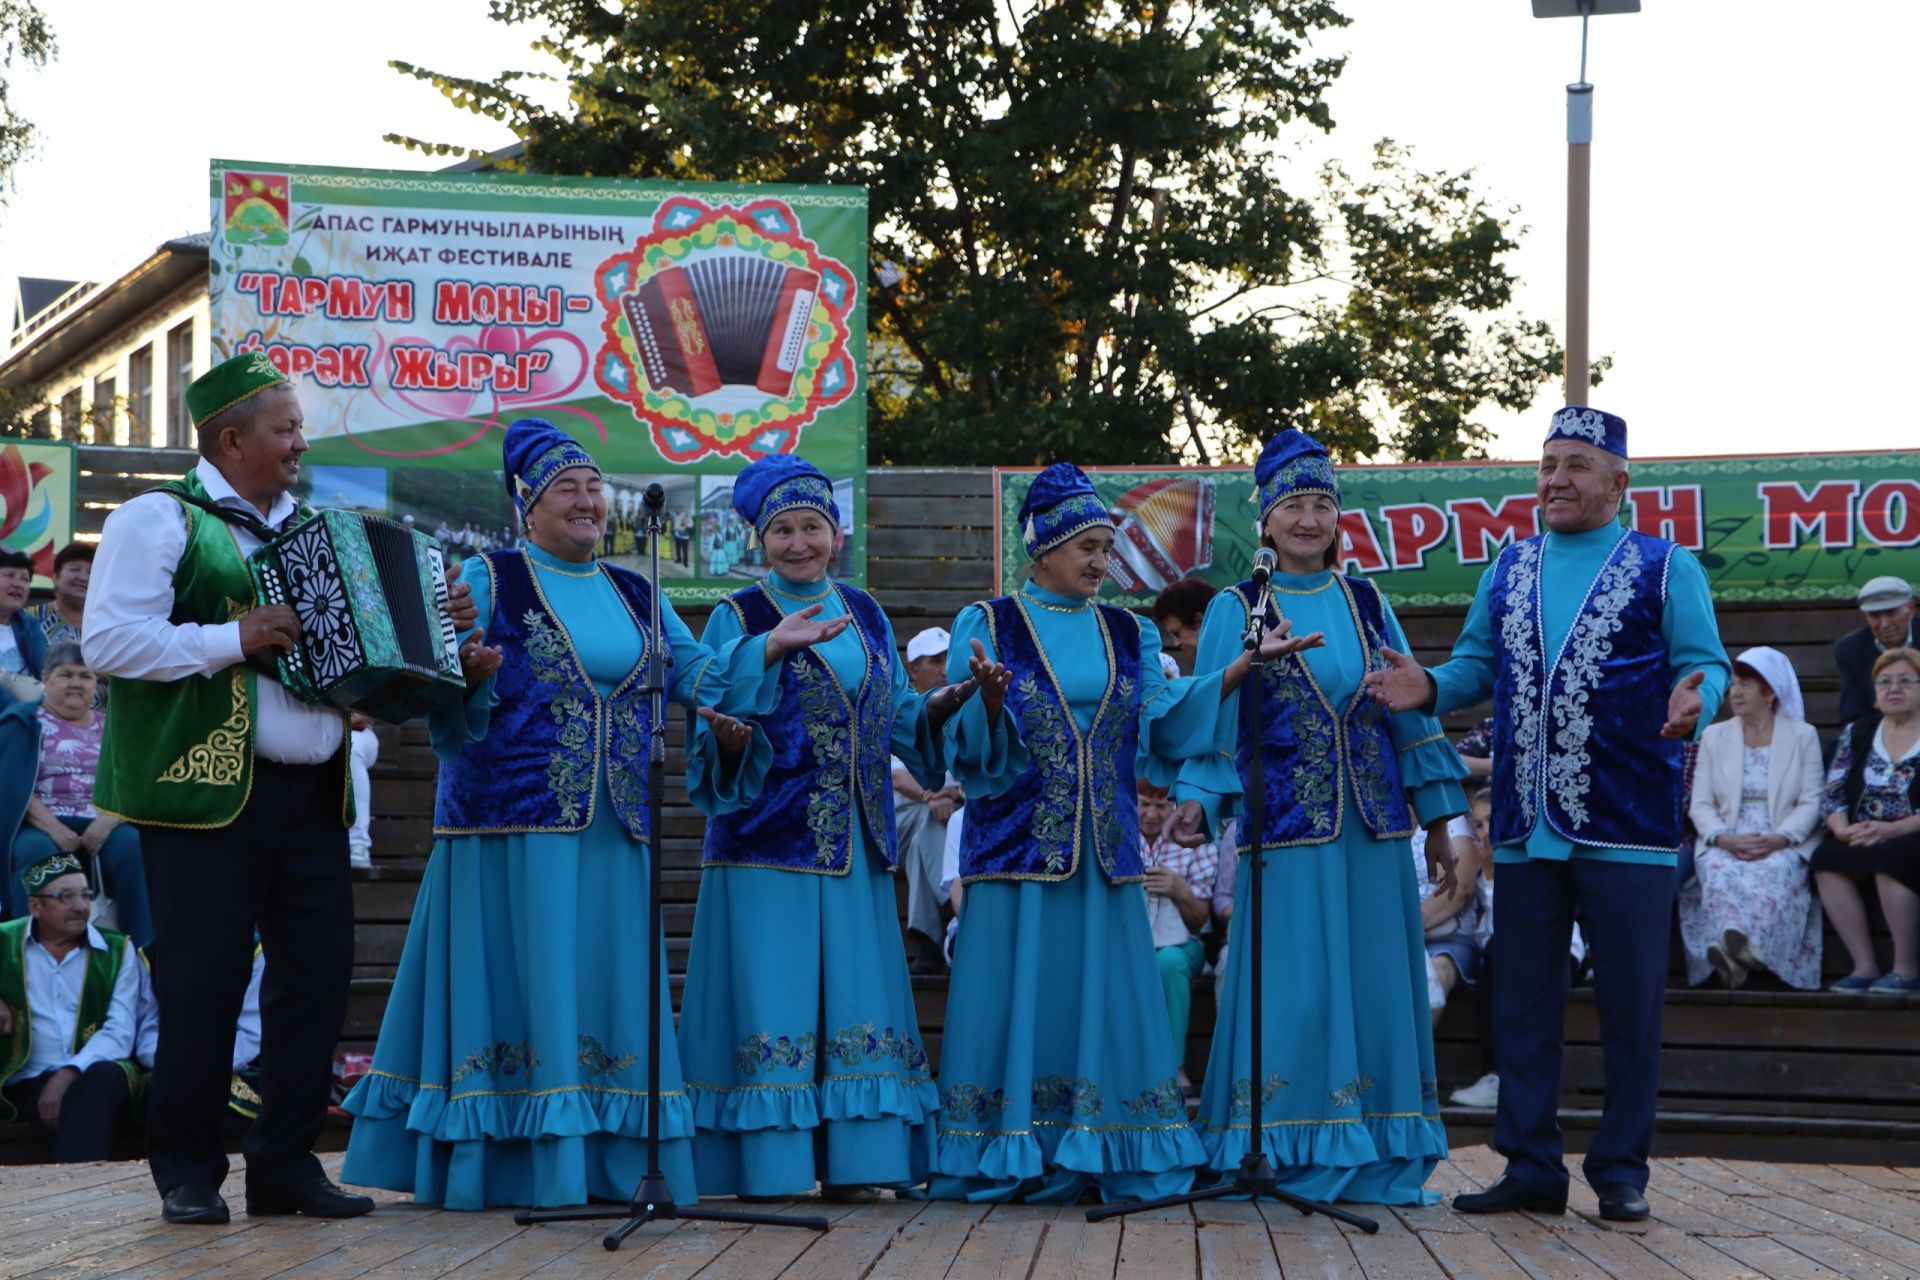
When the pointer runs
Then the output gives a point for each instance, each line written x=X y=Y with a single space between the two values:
x=723 y=320
x=376 y=622
x=1165 y=532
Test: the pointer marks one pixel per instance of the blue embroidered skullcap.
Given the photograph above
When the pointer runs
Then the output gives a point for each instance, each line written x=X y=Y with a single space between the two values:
x=782 y=482
x=533 y=454
x=1593 y=426
x=1293 y=462
x=47 y=870
x=1060 y=505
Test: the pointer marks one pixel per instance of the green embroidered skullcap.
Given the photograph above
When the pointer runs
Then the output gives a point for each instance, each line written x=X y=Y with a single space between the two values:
x=47 y=870
x=230 y=382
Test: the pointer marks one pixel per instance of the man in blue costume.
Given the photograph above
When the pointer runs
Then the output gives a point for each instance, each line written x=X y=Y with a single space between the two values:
x=1599 y=647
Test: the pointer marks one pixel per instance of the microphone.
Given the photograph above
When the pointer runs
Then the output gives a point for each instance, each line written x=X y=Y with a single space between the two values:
x=1264 y=561
x=654 y=498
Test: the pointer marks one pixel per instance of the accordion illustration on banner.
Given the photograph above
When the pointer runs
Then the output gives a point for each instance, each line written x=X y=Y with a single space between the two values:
x=730 y=319
x=1165 y=532
x=376 y=622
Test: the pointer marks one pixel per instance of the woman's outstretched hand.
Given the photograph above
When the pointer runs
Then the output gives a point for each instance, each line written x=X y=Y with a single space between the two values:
x=802 y=630
x=992 y=679
x=479 y=661
x=1188 y=825
x=732 y=735
x=944 y=701
x=1279 y=640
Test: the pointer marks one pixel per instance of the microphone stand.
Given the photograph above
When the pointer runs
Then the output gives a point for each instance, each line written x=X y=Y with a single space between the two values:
x=1254 y=1178
x=652 y=1201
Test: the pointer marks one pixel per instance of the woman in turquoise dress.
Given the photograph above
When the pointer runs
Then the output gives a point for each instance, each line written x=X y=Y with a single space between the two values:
x=1058 y=1071
x=798 y=1035
x=1349 y=1106
x=511 y=1065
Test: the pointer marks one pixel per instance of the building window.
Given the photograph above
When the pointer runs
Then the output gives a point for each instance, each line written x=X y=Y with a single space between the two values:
x=179 y=374
x=140 y=397
x=70 y=415
x=102 y=414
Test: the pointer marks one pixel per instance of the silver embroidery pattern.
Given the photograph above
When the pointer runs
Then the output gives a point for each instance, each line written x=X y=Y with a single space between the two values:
x=1583 y=424
x=1519 y=640
x=1588 y=645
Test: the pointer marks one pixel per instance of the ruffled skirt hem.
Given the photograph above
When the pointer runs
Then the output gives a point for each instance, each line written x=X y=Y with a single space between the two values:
x=576 y=1112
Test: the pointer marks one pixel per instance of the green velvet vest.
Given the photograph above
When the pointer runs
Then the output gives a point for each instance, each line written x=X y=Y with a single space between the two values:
x=96 y=997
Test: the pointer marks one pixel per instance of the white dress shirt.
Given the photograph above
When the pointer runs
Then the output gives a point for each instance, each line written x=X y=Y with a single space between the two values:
x=128 y=629
x=53 y=1005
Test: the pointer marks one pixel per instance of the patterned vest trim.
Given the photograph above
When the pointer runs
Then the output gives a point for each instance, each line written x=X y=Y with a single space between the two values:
x=830 y=750
x=1074 y=780
x=1314 y=755
x=1586 y=723
x=551 y=732
x=96 y=999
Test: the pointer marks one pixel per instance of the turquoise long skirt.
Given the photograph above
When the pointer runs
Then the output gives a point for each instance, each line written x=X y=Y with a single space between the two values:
x=512 y=1062
x=1057 y=1069
x=1350 y=1107
x=798 y=1034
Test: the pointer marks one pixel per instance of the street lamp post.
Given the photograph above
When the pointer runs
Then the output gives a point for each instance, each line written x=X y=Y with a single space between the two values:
x=1579 y=187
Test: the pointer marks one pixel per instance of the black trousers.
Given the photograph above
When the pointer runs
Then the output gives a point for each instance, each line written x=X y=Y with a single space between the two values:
x=280 y=867
x=90 y=1113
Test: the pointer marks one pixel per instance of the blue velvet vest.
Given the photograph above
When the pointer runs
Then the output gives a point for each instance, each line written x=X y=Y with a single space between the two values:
x=1314 y=754
x=551 y=731
x=1576 y=736
x=1032 y=831
x=832 y=748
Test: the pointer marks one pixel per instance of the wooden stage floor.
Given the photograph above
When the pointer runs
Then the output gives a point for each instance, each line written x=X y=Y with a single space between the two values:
x=1713 y=1219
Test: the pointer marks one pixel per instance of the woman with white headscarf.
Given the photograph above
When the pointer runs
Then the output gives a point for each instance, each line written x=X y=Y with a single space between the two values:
x=1756 y=805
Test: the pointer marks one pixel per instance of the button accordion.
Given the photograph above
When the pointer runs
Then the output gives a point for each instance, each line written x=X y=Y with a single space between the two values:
x=376 y=622
x=730 y=319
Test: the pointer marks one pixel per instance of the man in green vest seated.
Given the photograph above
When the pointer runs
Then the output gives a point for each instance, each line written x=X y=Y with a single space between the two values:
x=69 y=997
x=241 y=796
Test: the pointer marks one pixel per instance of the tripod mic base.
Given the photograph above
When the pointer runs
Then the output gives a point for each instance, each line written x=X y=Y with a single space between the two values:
x=1253 y=1179
x=652 y=1202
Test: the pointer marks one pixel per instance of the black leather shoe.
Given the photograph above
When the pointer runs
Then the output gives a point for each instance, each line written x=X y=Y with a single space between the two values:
x=1621 y=1203
x=1510 y=1195
x=201 y=1205
x=316 y=1197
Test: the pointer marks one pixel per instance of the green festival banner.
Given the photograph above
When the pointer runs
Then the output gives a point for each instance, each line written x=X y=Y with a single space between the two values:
x=677 y=330
x=1786 y=527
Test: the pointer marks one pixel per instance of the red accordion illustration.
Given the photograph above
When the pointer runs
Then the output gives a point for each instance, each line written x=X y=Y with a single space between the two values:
x=1165 y=532
x=723 y=320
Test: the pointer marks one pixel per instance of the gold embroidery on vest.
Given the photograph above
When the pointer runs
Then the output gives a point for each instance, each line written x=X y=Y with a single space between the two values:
x=221 y=760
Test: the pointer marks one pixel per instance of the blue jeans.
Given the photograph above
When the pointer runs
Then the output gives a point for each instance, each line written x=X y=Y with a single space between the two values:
x=123 y=878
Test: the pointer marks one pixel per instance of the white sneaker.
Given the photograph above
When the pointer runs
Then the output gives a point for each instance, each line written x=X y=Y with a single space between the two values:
x=360 y=859
x=1484 y=1092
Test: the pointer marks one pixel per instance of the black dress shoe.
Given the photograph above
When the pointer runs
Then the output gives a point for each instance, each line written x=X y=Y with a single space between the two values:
x=315 y=1196
x=1510 y=1195
x=195 y=1204
x=1621 y=1203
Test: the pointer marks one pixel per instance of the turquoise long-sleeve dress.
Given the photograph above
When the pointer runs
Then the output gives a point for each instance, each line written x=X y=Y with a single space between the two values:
x=797 y=1030
x=512 y=1062
x=1350 y=1106
x=1058 y=1071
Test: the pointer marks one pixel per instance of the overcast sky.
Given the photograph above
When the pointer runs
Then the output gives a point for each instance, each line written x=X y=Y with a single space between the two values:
x=1755 y=262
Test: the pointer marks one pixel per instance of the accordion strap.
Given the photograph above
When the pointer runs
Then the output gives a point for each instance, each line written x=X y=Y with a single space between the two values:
x=247 y=520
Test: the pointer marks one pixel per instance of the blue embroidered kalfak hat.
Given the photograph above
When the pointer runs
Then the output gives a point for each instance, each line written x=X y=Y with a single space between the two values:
x=1060 y=505
x=1593 y=426
x=533 y=453
x=1293 y=462
x=782 y=482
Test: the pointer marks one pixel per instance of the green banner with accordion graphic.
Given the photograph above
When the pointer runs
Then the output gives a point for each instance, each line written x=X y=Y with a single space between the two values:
x=677 y=330
x=1787 y=527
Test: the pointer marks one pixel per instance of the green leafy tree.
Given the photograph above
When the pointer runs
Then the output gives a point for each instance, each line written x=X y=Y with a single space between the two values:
x=25 y=35
x=1089 y=237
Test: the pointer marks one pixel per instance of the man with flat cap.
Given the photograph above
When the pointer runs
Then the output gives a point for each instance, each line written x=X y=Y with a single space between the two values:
x=242 y=797
x=1598 y=645
x=1888 y=604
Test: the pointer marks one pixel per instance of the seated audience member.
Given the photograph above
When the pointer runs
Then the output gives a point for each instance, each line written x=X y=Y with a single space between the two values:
x=1228 y=847
x=950 y=887
x=1888 y=604
x=60 y=815
x=1476 y=749
x=23 y=646
x=921 y=816
x=1450 y=920
x=69 y=996
x=59 y=618
x=1757 y=789
x=1179 y=884
x=363 y=752
x=1872 y=810
x=1177 y=611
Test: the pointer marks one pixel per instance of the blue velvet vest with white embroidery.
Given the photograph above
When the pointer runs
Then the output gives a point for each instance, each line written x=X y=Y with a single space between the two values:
x=831 y=750
x=1576 y=737
x=1074 y=781
x=551 y=731
x=1312 y=755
